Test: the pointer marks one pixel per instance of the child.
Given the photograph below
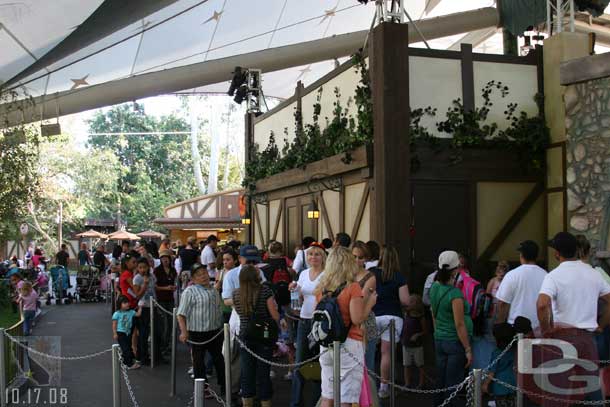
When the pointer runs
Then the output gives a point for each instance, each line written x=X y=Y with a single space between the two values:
x=285 y=343
x=492 y=287
x=503 y=369
x=414 y=328
x=28 y=299
x=122 y=324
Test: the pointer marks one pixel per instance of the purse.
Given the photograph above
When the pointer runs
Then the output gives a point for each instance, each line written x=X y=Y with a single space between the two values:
x=261 y=330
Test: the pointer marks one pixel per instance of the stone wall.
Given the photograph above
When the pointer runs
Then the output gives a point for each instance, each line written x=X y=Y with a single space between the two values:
x=588 y=159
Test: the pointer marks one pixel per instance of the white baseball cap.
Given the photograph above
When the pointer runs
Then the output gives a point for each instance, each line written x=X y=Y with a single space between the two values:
x=450 y=259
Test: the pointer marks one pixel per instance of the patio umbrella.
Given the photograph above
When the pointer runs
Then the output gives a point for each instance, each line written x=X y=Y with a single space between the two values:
x=151 y=234
x=123 y=235
x=93 y=234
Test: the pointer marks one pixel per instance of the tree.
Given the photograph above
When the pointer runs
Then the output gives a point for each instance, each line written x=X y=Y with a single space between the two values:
x=155 y=170
x=19 y=181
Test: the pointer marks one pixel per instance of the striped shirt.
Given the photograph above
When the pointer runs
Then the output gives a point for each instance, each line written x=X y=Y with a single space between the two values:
x=260 y=310
x=201 y=308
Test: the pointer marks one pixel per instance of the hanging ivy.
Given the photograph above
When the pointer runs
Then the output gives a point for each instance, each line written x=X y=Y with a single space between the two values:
x=527 y=137
x=341 y=135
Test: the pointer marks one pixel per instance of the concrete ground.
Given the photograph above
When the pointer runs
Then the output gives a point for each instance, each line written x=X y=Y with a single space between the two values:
x=85 y=328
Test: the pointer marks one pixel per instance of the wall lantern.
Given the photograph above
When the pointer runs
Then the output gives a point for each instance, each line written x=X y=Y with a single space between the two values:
x=313 y=212
x=245 y=221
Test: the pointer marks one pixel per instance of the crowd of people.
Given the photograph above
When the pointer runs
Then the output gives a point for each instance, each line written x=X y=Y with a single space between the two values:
x=272 y=304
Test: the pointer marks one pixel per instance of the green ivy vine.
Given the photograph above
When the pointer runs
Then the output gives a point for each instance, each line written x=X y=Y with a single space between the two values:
x=527 y=137
x=342 y=134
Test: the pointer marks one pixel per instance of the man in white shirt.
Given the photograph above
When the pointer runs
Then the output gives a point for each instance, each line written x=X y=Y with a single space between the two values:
x=208 y=257
x=519 y=288
x=300 y=259
x=570 y=293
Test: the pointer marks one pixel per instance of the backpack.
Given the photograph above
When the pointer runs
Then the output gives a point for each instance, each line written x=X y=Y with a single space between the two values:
x=328 y=325
x=277 y=274
x=477 y=298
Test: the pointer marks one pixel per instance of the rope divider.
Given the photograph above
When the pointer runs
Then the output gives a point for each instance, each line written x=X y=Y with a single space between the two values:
x=208 y=341
x=127 y=382
x=56 y=357
x=162 y=309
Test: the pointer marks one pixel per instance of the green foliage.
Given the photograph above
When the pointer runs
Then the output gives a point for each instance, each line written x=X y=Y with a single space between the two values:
x=528 y=137
x=19 y=151
x=341 y=135
x=153 y=170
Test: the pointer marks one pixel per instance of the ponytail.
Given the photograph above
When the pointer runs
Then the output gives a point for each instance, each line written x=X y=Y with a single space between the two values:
x=444 y=274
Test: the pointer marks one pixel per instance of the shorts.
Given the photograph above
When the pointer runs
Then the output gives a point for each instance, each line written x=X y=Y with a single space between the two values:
x=382 y=326
x=413 y=356
x=352 y=371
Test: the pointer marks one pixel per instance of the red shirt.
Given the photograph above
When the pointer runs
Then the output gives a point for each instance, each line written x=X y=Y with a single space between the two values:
x=126 y=289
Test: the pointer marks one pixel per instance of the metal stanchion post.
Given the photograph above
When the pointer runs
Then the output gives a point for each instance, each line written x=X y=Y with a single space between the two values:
x=227 y=355
x=3 y=395
x=173 y=361
x=198 y=397
x=152 y=333
x=477 y=376
x=392 y=362
x=116 y=376
x=519 y=402
x=337 y=373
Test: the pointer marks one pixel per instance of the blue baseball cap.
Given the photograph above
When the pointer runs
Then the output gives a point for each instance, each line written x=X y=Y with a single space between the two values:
x=250 y=253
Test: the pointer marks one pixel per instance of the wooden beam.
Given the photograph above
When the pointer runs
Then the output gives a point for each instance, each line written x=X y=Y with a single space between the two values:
x=512 y=222
x=584 y=69
x=191 y=210
x=207 y=206
x=325 y=217
x=467 y=77
x=258 y=225
x=360 y=213
x=389 y=61
x=277 y=220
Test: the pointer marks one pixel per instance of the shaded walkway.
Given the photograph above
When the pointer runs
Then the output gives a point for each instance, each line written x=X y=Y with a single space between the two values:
x=86 y=328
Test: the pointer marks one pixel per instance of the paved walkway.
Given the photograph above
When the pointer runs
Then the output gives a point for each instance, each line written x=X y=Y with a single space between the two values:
x=86 y=328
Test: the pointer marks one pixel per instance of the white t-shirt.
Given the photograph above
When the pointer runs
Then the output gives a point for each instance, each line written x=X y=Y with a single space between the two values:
x=307 y=287
x=574 y=288
x=520 y=288
x=208 y=257
x=370 y=264
x=300 y=261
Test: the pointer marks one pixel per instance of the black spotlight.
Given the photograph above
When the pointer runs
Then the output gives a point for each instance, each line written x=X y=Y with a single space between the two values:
x=240 y=94
x=239 y=78
x=363 y=1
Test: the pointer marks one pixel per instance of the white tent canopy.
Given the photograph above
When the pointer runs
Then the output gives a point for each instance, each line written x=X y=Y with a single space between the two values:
x=181 y=33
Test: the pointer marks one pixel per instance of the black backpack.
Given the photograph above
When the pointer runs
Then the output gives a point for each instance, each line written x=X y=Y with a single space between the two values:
x=277 y=274
x=328 y=325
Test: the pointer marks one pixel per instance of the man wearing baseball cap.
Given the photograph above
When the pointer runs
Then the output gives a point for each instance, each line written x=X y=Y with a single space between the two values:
x=570 y=292
x=519 y=289
x=248 y=254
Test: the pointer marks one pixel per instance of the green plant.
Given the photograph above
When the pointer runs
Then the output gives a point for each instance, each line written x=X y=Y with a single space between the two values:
x=526 y=136
x=342 y=134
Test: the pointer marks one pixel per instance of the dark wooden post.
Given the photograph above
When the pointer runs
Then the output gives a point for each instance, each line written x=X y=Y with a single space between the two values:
x=391 y=198
x=248 y=142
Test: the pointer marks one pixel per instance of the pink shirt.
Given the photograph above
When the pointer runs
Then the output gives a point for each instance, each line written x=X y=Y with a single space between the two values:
x=29 y=301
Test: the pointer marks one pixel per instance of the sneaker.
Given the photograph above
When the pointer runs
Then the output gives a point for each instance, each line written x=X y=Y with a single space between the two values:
x=384 y=394
x=288 y=376
x=135 y=366
x=272 y=374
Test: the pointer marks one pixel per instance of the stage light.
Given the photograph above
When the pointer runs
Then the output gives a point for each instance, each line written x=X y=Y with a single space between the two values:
x=239 y=78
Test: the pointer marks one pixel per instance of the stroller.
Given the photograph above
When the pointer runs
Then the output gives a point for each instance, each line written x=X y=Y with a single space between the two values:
x=60 y=284
x=88 y=285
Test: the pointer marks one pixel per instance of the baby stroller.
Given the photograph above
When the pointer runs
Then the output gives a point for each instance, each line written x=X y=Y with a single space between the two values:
x=60 y=283
x=88 y=285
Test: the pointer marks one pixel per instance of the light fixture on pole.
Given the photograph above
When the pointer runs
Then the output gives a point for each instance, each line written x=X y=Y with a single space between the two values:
x=246 y=221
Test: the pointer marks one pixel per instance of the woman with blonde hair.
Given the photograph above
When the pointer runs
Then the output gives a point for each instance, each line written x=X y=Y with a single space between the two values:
x=306 y=285
x=340 y=274
x=393 y=295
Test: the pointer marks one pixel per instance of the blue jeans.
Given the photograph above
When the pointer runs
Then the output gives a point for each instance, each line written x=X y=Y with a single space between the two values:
x=450 y=362
x=302 y=353
x=369 y=355
x=28 y=319
x=253 y=369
